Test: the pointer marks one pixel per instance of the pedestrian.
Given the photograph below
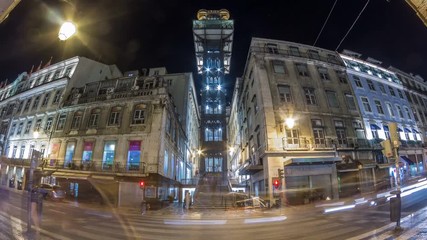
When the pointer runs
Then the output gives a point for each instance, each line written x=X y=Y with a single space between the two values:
x=36 y=207
x=187 y=200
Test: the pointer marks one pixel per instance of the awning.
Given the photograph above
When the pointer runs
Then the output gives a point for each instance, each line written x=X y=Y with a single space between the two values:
x=386 y=128
x=407 y=130
x=375 y=127
x=70 y=175
x=415 y=131
x=318 y=160
x=399 y=130
x=250 y=169
x=407 y=160
x=366 y=163
x=347 y=167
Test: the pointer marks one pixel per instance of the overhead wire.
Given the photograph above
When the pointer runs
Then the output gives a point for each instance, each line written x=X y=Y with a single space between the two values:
x=324 y=24
x=351 y=27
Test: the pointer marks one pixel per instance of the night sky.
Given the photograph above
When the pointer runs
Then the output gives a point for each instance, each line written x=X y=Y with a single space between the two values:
x=136 y=34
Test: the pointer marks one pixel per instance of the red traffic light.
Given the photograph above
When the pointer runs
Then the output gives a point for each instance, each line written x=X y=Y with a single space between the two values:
x=141 y=184
x=276 y=183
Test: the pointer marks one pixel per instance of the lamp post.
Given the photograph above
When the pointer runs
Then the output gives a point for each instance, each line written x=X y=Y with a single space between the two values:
x=49 y=133
x=290 y=122
x=68 y=28
x=395 y=203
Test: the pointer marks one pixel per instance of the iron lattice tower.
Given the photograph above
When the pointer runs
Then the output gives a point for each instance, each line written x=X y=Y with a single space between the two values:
x=213 y=40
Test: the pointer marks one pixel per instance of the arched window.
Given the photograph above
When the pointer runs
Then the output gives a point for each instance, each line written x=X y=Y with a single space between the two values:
x=114 y=119
x=208 y=134
x=94 y=118
x=77 y=118
x=139 y=114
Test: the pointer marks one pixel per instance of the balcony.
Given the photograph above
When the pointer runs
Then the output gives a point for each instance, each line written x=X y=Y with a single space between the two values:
x=88 y=98
x=304 y=144
x=323 y=144
x=250 y=168
x=295 y=144
x=411 y=144
x=88 y=166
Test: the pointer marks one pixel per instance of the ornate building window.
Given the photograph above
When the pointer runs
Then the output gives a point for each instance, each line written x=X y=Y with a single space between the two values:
x=114 y=119
x=139 y=114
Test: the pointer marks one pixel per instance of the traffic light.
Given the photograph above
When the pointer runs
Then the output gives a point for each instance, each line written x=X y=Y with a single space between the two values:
x=394 y=135
x=281 y=174
x=387 y=150
x=276 y=183
x=141 y=184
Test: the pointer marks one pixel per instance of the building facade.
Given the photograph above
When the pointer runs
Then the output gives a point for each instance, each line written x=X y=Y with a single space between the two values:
x=108 y=135
x=382 y=100
x=293 y=113
x=30 y=104
x=415 y=90
x=307 y=123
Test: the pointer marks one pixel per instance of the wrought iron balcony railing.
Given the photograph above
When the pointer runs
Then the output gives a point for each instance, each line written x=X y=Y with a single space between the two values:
x=92 y=166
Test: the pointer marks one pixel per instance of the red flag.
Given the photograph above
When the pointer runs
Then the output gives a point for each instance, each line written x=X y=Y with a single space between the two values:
x=40 y=66
x=48 y=63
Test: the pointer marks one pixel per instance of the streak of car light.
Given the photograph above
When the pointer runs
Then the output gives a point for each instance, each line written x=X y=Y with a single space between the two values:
x=328 y=210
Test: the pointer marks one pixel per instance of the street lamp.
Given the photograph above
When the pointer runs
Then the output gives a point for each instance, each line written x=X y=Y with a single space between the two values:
x=48 y=133
x=231 y=149
x=290 y=122
x=67 y=30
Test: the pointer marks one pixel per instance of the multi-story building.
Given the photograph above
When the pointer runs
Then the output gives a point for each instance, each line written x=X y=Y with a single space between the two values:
x=415 y=90
x=30 y=104
x=382 y=100
x=293 y=111
x=110 y=134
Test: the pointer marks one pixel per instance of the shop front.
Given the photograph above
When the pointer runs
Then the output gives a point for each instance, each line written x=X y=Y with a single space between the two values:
x=310 y=179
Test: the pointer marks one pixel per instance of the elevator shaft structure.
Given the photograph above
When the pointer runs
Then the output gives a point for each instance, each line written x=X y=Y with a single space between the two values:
x=213 y=40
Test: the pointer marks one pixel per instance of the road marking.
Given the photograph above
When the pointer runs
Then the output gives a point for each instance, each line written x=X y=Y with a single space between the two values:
x=265 y=220
x=195 y=222
x=19 y=222
x=100 y=214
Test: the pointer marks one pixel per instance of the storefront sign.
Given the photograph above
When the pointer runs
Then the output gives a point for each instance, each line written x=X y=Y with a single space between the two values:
x=134 y=145
x=88 y=146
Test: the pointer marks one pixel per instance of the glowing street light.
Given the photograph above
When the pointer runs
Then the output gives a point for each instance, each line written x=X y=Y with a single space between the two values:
x=290 y=122
x=67 y=30
x=231 y=149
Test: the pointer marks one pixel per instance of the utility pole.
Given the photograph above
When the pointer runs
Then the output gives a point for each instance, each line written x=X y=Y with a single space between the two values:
x=395 y=202
x=33 y=165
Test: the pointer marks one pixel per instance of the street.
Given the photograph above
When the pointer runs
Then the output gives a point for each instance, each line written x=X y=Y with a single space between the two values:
x=72 y=220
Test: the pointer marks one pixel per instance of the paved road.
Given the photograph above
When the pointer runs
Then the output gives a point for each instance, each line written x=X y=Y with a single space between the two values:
x=68 y=220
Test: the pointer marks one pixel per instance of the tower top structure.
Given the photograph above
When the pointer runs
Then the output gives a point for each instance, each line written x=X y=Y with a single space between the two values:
x=213 y=36
x=204 y=14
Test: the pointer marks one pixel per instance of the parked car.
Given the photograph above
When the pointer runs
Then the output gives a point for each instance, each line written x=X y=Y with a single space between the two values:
x=52 y=192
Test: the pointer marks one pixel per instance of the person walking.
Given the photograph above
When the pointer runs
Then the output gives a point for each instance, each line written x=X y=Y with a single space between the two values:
x=36 y=207
x=187 y=200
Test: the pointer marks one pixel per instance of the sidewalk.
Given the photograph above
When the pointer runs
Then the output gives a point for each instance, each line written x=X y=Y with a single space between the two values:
x=413 y=227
